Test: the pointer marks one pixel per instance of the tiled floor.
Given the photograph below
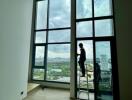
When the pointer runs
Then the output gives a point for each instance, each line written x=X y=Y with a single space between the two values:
x=59 y=94
x=49 y=94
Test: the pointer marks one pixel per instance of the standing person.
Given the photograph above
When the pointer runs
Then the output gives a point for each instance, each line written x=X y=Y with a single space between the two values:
x=97 y=78
x=82 y=59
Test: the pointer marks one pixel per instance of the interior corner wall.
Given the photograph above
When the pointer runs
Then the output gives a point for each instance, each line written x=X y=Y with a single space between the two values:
x=15 y=31
x=123 y=17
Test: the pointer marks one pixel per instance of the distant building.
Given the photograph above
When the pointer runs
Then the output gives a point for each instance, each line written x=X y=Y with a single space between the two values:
x=104 y=62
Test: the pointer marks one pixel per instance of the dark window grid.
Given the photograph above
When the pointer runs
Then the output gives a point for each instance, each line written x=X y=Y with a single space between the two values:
x=34 y=36
x=93 y=26
x=37 y=44
x=93 y=15
x=65 y=28
x=103 y=38
x=94 y=56
x=39 y=67
x=59 y=43
x=95 y=39
x=46 y=81
x=46 y=47
x=33 y=62
x=47 y=34
x=40 y=44
x=94 y=18
x=47 y=26
x=44 y=44
x=98 y=39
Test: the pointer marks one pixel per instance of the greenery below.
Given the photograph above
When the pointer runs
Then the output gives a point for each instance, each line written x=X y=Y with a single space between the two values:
x=60 y=71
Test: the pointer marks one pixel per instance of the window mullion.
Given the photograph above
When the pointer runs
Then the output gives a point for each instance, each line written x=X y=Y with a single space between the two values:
x=46 y=47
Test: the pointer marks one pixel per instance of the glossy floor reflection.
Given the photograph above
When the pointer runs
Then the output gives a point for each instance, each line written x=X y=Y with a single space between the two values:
x=59 y=94
x=84 y=96
x=49 y=94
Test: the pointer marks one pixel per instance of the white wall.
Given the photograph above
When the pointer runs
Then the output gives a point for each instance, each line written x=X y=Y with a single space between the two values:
x=124 y=45
x=15 y=31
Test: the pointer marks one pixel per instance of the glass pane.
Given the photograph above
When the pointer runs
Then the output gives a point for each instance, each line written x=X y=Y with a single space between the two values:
x=104 y=27
x=84 y=29
x=103 y=70
x=38 y=74
x=84 y=9
x=40 y=37
x=41 y=20
x=58 y=63
x=39 y=56
x=59 y=15
x=102 y=7
x=59 y=36
x=85 y=83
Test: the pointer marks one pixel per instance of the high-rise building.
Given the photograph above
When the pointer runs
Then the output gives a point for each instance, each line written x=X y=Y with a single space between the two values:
x=104 y=62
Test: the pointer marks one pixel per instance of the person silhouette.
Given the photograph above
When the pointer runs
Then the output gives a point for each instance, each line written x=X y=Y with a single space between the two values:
x=97 y=78
x=82 y=59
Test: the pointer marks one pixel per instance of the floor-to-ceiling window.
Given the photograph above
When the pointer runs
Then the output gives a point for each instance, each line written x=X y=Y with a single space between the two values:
x=51 y=53
x=95 y=29
x=52 y=42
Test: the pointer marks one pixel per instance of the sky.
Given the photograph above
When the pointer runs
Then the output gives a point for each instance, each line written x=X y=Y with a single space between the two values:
x=59 y=16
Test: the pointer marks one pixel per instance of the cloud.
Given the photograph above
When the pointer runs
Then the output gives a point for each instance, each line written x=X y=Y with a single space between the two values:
x=103 y=7
x=59 y=14
x=84 y=29
x=84 y=9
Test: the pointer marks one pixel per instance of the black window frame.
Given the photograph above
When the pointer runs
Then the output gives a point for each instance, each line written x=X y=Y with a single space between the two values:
x=44 y=44
x=111 y=39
